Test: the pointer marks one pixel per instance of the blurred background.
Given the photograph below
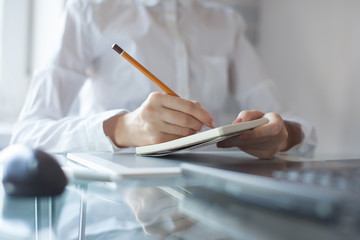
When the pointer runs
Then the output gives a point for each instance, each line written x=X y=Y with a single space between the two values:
x=310 y=48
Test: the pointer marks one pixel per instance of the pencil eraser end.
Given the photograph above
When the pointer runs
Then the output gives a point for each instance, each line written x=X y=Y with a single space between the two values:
x=118 y=49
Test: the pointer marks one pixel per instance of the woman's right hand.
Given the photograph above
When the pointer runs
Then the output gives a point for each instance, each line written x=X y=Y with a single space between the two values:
x=160 y=118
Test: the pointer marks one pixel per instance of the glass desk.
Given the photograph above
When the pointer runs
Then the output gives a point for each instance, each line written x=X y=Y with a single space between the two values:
x=152 y=209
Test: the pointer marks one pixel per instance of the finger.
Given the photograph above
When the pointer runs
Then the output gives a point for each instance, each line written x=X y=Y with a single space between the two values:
x=230 y=142
x=272 y=128
x=192 y=108
x=248 y=115
x=237 y=141
x=158 y=134
x=156 y=111
x=173 y=129
x=260 y=134
x=181 y=119
x=260 y=148
x=163 y=137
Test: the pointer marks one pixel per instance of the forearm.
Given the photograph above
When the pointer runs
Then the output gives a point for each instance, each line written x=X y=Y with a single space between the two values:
x=64 y=135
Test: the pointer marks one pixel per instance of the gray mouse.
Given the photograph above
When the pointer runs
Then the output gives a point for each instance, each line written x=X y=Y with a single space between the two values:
x=31 y=172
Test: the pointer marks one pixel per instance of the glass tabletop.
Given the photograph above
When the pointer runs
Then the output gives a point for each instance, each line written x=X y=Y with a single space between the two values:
x=167 y=208
x=104 y=210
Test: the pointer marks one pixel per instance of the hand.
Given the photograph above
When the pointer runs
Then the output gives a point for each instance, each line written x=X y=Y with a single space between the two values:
x=265 y=141
x=160 y=118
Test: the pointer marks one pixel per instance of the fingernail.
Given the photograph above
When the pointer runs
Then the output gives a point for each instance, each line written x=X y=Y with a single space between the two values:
x=211 y=123
x=237 y=120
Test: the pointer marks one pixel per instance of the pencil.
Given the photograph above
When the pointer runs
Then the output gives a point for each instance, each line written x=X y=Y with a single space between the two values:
x=142 y=69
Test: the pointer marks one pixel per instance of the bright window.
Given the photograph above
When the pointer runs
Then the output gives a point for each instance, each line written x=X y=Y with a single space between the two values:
x=25 y=27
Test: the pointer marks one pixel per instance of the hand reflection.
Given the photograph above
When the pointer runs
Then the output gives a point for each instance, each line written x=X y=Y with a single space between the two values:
x=157 y=211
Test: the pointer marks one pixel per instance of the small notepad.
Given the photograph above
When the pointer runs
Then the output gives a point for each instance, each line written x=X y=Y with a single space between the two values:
x=200 y=139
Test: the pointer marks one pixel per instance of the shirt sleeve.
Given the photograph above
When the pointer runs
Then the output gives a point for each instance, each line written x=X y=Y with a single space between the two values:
x=254 y=90
x=46 y=121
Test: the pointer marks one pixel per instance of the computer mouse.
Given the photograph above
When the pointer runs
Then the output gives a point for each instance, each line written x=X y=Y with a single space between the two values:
x=31 y=172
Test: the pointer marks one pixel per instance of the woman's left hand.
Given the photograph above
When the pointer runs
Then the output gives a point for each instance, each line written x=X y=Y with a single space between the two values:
x=264 y=141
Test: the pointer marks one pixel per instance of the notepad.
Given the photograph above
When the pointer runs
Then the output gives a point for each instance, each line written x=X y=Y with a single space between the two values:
x=200 y=139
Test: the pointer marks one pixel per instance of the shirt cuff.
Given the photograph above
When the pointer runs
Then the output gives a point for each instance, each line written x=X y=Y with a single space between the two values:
x=101 y=142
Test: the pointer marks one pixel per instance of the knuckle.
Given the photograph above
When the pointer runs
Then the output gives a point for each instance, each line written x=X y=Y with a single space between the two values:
x=243 y=113
x=190 y=106
x=253 y=111
x=275 y=129
x=196 y=104
x=275 y=116
x=250 y=114
x=154 y=96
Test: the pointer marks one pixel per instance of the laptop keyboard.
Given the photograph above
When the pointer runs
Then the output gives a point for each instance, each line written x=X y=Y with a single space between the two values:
x=339 y=179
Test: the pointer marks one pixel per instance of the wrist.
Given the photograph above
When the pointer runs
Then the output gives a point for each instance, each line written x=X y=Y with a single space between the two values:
x=294 y=135
x=115 y=129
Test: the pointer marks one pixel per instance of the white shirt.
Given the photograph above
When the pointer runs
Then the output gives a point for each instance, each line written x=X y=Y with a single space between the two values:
x=198 y=49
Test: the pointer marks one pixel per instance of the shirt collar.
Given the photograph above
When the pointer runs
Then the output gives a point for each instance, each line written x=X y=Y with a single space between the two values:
x=151 y=3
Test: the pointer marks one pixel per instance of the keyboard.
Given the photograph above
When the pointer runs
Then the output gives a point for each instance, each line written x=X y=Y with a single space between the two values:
x=347 y=179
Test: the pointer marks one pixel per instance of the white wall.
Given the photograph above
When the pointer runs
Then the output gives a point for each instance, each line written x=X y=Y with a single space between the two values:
x=312 y=48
